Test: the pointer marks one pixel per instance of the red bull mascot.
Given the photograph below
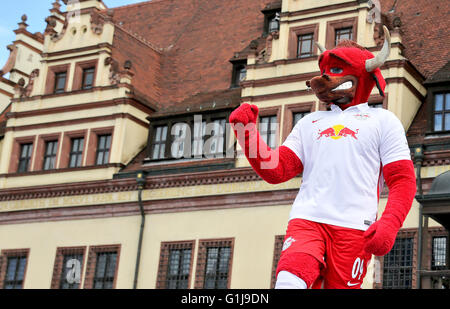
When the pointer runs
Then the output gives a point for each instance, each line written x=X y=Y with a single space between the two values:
x=344 y=154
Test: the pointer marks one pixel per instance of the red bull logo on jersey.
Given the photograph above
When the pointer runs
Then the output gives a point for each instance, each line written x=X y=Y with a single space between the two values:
x=337 y=132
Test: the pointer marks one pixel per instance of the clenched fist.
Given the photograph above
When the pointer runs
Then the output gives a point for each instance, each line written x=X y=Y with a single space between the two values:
x=380 y=237
x=244 y=114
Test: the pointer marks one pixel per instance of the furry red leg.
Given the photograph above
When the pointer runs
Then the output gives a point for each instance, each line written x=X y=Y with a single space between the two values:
x=303 y=265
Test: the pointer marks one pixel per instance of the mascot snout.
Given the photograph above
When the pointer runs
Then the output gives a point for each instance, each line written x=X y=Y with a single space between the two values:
x=334 y=89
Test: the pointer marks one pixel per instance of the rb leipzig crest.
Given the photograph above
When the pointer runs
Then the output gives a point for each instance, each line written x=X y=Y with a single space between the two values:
x=337 y=132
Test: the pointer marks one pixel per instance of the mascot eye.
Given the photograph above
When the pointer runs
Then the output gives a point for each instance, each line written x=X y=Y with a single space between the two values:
x=336 y=70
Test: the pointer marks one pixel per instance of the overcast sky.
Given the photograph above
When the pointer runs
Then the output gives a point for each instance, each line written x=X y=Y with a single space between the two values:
x=36 y=10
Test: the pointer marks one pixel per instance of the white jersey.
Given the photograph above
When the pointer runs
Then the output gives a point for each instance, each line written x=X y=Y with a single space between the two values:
x=343 y=153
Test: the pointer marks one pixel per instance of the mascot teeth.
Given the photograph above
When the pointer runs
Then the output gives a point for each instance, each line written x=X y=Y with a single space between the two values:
x=344 y=86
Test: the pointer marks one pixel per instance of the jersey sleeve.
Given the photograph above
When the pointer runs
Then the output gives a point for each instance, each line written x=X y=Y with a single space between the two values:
x=294 y=141
x=393 y=146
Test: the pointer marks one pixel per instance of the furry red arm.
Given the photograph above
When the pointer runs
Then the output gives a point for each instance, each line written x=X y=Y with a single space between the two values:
x=401 y=181
x=274 y=166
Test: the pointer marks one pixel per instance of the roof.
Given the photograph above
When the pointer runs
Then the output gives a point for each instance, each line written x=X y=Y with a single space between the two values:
x=425 y=31
x=203 y=102
x=195 y=40
x=184 y=47
x=443 y=75
x=441 y=184
x=145 y=64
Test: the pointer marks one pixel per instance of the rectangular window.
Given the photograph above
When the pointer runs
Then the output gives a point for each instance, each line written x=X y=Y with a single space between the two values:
x=175 y=265
x=67 y=270
x=25 y=157
x=178 y=270
x=305 y=45
x=208 y=139
x=268 y=129
x=239 y=74
x=88 y=78
x=14 y=273
x=192 y=137
x=442 y=112
x=159 y=143
x=76 y=152
x=71 y=271
x=343 y=34
x=103 y=149
x=214 y=264
x=105 y=270
x=198 y=139
x=270 y=15
x=217 y=262
x=51 y=147
x=179 y=131
x=398 y=265
x=439 y=253
x=216 y=142
x=301 y=41
x=60 y=82
x=102 y=266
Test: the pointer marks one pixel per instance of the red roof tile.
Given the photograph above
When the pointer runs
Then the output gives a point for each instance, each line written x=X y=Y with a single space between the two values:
x=425 y=31
x=183 y=47
x=196 y=38
x=145 y=63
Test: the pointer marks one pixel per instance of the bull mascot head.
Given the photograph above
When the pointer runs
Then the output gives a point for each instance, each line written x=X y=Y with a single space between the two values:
x=349 y=73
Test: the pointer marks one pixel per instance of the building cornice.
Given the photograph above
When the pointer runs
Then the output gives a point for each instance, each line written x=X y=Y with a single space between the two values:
x=76 y=121
x=66 y=52
x=216 y=202
x=61 y=170
x=129 y=184
x=81 y=106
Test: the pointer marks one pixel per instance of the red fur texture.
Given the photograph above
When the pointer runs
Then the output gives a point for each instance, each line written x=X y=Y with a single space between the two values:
x=401 y=181
x=302 y=265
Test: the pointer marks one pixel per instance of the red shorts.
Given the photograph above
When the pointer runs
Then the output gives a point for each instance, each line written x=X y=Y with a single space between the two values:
x=340 y=251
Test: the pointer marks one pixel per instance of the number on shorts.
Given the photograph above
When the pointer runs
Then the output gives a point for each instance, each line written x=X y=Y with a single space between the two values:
x=358 y=268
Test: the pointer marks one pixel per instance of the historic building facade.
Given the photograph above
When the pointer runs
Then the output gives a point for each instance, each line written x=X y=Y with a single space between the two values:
x=117 y=168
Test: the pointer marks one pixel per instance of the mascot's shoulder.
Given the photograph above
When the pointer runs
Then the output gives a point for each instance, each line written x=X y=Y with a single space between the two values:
x=384 y=113
x=386 y=118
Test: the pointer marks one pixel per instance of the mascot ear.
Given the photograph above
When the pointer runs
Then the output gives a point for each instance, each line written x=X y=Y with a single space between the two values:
x=379 y=81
